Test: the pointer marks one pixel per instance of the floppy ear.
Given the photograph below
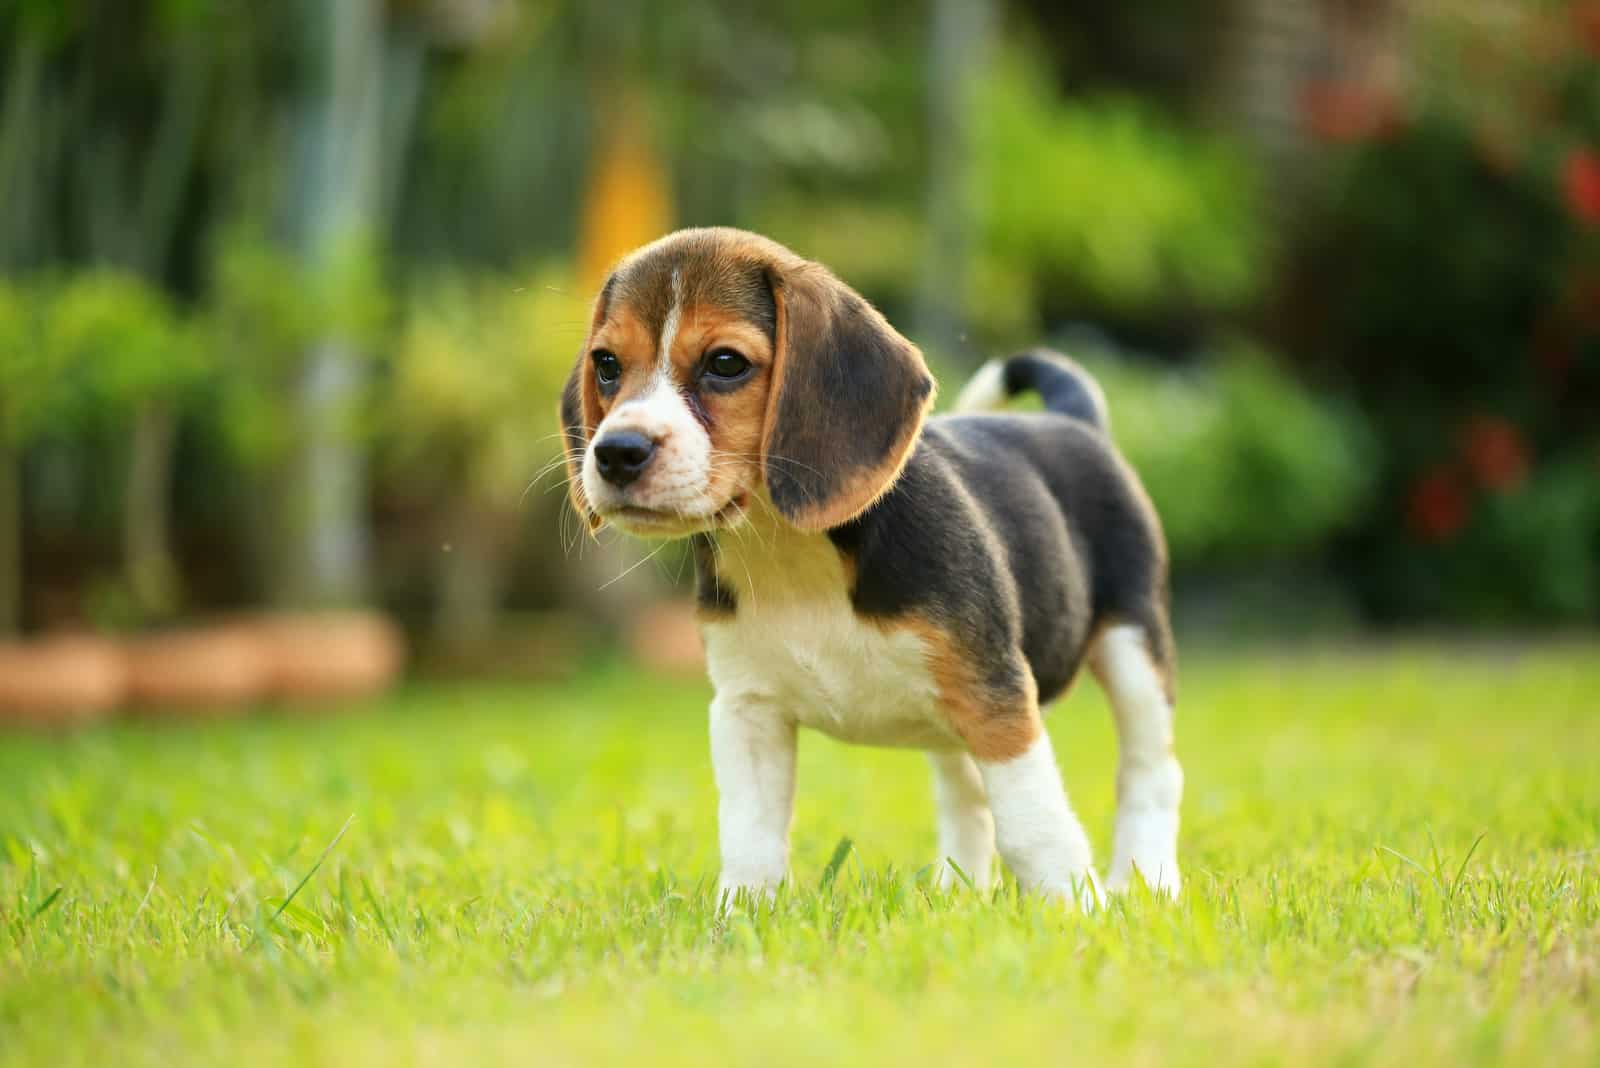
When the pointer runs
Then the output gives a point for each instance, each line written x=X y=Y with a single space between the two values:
x=848 y=398
x=580 y=414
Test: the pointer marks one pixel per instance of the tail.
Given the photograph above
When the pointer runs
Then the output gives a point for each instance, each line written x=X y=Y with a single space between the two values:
x=1065 y=387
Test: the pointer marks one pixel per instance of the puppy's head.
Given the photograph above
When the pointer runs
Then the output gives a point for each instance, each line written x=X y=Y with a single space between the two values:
x=720 y=366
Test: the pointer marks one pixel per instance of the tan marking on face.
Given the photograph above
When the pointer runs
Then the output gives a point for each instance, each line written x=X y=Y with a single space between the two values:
x=708 y=439
x=995 y=726
x=624 y=334
x=734 y=418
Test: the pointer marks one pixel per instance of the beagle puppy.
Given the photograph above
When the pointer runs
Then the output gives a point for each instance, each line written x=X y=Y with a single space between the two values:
x=875 y=574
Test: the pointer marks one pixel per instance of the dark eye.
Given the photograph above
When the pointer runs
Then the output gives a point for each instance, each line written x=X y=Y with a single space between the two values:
x=607 y=368
x=725 y=363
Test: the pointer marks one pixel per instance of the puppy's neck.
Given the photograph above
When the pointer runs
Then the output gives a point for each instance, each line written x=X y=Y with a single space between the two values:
x=765 y=563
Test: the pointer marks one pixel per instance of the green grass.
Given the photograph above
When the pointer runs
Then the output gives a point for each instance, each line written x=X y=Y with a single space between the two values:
x=525 y=876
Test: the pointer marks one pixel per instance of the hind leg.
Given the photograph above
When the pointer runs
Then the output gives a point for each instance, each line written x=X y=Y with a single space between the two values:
x=966 y=827
x=1149 y=778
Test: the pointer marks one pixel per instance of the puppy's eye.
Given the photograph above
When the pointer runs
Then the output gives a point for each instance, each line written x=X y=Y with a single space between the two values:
x=607 y=368
x=725 y=363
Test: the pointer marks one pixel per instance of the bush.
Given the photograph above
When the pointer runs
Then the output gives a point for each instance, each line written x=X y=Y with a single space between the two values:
x=1110 y=209
x=469 y=418
x=1458 y=274
x=1241 y=462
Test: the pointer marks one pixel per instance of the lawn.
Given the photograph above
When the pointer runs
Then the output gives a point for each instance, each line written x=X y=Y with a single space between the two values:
x=1390 y=856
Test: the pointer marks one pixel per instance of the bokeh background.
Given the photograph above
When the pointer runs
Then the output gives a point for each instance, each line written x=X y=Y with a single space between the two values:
x=287 y=292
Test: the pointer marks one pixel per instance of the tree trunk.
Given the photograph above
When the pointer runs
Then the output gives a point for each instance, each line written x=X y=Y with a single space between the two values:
x=147 y=563
x=357 y=123
x=955 y=56
x=10 y=538
x=336 y=216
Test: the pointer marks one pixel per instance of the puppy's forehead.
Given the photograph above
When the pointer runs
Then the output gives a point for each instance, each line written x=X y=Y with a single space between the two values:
x=689 y=271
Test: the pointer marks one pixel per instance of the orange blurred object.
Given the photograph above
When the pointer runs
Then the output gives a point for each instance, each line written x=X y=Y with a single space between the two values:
x=218 y=670
x=665 y=637
x=60 y=681
x=1580 y=179
x=334 y=656
x=628 y=201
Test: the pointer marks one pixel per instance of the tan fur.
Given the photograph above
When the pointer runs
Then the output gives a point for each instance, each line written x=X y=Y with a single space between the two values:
x=735 y=419
x=995 y=726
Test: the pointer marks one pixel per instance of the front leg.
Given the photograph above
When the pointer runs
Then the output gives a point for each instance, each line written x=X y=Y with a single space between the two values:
x=752 y=753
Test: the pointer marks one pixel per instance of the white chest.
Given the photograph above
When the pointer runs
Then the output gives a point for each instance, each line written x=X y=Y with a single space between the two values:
x=796 y=644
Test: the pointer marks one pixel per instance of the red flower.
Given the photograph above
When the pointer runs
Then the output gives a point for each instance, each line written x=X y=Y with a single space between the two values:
x=1495 y=453
x=1580 y=180
x=1587 y=18
x=1438 y=507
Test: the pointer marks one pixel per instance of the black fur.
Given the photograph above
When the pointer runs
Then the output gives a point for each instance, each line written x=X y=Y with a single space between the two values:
x=1064 y=386
x=1018 y=531
x=711 y=596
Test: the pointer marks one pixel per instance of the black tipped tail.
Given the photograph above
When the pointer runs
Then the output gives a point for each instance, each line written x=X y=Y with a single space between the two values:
x=1065 y=387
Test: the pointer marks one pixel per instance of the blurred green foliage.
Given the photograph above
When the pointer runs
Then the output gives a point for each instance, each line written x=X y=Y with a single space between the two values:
x=121 y=341
x=1241 y=462
x=468 y=407
x=34 y=393
x=266 y=308
x=1104 y=205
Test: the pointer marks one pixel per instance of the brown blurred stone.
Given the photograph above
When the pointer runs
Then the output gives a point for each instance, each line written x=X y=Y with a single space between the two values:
x=319 y=658
x=215 y=670
x=60 y=681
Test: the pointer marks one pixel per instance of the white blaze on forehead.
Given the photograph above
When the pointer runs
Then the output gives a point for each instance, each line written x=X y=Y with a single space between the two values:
x=669 y=329
x=679 y=476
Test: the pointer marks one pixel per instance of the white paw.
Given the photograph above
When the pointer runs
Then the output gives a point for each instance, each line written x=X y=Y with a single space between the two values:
x=1082 y=890
x=735 y=892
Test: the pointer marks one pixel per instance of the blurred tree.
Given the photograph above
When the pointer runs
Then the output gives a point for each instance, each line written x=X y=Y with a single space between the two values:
x=959 y=41
x=337 y=214
x=458 y=431
x=34 y=398
x=135 y=358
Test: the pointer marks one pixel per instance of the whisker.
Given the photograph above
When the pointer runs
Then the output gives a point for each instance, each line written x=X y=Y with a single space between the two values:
x=634 y=567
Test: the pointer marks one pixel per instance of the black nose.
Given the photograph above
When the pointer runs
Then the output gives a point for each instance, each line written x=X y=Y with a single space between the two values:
x=623 y=456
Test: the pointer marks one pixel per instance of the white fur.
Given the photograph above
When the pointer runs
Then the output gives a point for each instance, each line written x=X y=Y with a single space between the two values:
x=966 y=827
x=1149 y=778
x=752 y=751
x=669 y=329
x=795 y=654
x=985 y=390
x=1038 y=835
x=797 y=644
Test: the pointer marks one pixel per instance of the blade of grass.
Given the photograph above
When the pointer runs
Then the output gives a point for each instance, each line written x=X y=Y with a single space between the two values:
x=840 y=853
x=306 y=878
x=377 y=909
x=43 y=906
x=1455 y=884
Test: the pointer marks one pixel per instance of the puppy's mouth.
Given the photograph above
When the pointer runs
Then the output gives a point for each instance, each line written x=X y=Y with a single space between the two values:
x=663 y=522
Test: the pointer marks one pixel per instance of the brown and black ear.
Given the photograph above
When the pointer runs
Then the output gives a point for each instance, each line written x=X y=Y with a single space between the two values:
x=580 y=414
x=848 y=399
